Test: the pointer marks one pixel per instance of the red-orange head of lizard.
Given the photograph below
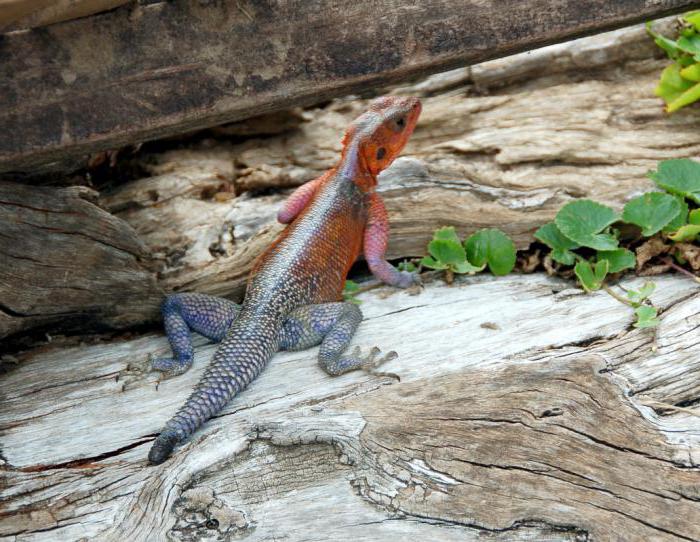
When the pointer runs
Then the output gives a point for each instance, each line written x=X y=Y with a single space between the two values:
x=379 y=135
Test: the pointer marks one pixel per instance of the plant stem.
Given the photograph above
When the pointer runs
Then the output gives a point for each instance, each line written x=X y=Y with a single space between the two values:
x=675 y=266
x=618 y=297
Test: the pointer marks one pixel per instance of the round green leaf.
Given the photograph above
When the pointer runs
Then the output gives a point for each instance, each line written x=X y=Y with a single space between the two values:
x=681 y=218
x=561 y=245
x=583 y=220
x=446 y=252
x=618 y=259
x=446 y=233
x=429 y=262
x=681 y=176
x=651 y=211
x=492 y=247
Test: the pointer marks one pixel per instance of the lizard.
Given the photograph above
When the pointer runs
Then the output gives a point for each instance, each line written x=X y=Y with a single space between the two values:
x=293 y=293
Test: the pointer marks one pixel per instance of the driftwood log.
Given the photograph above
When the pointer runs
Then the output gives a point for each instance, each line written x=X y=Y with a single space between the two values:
x=150 y=69
x=525 y=411
x=502 y=144
x=68 y=264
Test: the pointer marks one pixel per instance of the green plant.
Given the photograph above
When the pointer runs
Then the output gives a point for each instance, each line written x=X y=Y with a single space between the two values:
x=680 y=82
x=350 y=290
x=489 y=247
x=645 y=312
x=592 y=241
x=493 y=248
x=586 y=234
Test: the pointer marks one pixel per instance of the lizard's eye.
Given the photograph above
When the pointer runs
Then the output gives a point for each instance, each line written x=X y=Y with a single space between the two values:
x=381 y=153
x=399 y=124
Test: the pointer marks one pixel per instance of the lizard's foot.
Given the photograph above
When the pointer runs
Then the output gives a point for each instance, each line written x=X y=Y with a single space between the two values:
x=406 y=279
x=354 y=361
x=372 y=361
x=169 y=367
x=134 y=373
x=139 y=371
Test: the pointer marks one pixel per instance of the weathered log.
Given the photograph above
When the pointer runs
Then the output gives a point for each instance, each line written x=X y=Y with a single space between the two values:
x=68 y=264
x=145 y=71
x=584 y=124
x=23 y=14
x=520 y=415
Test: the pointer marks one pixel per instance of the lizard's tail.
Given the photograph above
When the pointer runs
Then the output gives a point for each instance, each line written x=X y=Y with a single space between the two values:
x=250 y=343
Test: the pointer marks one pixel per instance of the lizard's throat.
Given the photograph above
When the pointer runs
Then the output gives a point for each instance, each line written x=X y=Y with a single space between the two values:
x=354 y=167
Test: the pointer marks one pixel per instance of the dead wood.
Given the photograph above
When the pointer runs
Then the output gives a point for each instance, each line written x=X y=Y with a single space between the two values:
x=521 y=415
x=69 y=265
x=169 y=67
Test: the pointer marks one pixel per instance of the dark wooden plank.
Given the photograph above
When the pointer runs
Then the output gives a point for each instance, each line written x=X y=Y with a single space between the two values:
x=21 y=14
x=146 y=71
x=68 y=264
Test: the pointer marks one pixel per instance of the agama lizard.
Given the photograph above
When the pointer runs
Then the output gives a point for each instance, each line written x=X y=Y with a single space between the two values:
x=293 y=292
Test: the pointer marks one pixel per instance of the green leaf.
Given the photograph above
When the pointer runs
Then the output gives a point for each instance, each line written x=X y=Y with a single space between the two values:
x=565 y=257
x=672 y=85
x=583 y=220
x=693 y=17
x=492 y=247
x=637 y=297
x=447 y=252
x=618 y=259
x=646 y=316
x=691 y=73
x=679 y=176
x=561 y=245
x=407 y=265
x=681 y=218
x=429 y=262
x=688 y=97
x=466 y=267
x=591 y=277
x=651 y=211
x=668 y=45
x=350 y=288
x=686 y=234
x=689 y=44
x=446 y=233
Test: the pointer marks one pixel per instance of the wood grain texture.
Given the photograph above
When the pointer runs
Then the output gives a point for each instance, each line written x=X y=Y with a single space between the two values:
x=527 y=422
x=155 y=69
x=23 y=14
x=574 y=120
x=68 y=264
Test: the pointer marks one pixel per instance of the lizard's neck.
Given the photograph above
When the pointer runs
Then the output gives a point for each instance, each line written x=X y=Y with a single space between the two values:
x=353 y=166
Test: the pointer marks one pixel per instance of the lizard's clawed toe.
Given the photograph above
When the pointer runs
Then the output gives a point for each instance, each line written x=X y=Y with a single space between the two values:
x=134 y=373
x=373 y=361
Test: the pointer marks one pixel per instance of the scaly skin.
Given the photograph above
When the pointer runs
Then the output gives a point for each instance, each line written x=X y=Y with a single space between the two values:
x=293 y=291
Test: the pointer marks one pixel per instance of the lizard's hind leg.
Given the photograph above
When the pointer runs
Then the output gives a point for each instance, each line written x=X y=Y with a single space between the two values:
x=206 y=314
x=332 y=325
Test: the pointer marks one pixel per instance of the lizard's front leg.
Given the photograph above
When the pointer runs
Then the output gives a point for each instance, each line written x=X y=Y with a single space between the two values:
x=299 y=199
x=375 y=241
x=332 y=325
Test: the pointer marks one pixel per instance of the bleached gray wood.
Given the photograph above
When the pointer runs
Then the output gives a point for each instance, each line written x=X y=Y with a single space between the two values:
x=514 y=419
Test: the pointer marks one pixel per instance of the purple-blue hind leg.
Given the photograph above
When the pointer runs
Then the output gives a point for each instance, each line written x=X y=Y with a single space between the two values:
x=207 y=315
x=332 y=325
